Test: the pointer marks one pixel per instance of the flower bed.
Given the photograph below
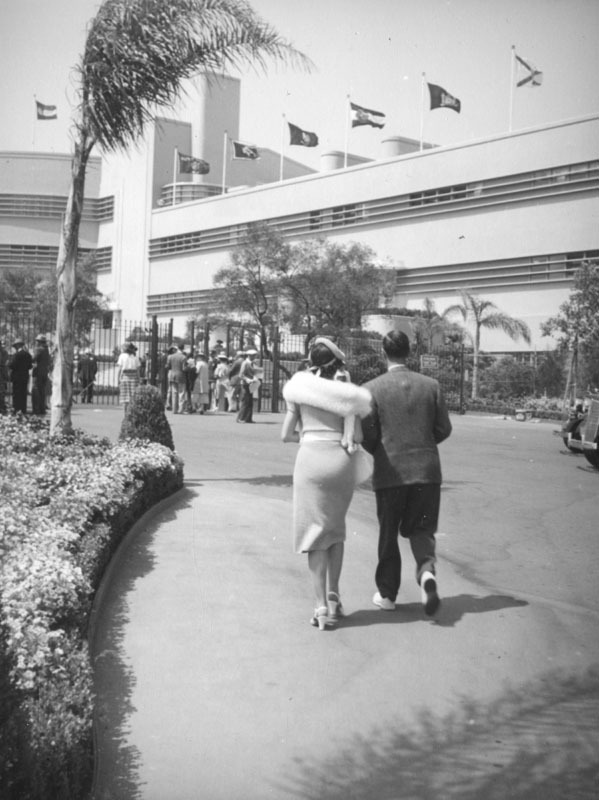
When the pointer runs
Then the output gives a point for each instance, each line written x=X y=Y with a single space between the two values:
x=66 y=505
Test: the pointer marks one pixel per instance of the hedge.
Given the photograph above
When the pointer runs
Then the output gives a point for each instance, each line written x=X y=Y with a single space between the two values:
x=66 y=505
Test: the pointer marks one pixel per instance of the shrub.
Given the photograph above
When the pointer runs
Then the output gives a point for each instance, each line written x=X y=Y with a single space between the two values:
x=146 y=418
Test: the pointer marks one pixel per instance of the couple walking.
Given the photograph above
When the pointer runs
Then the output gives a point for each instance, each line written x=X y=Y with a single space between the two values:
x=400 y=418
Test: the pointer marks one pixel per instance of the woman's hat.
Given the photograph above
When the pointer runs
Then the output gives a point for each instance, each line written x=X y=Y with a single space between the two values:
x=251 y=352
x=18 y=343
x=332 y=347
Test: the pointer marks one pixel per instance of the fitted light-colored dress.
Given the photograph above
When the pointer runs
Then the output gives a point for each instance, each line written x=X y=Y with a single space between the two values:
x=323 y=480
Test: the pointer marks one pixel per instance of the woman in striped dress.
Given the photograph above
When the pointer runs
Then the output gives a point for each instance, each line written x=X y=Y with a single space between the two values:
x=129 y=367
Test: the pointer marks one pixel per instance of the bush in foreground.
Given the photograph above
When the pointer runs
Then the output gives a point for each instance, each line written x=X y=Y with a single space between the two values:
x=66 y=504
x=146 y=418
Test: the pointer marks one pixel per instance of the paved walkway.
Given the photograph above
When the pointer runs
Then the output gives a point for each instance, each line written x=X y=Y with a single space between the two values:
x=213 y=686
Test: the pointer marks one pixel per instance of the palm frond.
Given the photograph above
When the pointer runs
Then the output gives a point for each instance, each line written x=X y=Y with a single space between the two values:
x=456 y=309
x=138 y=53
x=514 y=328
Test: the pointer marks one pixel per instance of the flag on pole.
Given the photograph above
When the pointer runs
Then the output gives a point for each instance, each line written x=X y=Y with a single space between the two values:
x=45 y=112
x=241 y=150
x=196 y=165
x=298 y=136
x=366 y=116
x=442 y=99
x=532 y=76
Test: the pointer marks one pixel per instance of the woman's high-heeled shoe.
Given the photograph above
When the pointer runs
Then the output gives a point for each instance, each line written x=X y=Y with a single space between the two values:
x=320 y=617
x=335 y=606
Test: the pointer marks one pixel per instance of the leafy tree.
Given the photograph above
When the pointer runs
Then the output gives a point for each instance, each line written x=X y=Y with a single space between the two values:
x=29 y=292
x=329 y=286
x=480 y=314
x=550 y=373
x=576 y=326
x=507 y=377
x=250 y=283
x=137 y=55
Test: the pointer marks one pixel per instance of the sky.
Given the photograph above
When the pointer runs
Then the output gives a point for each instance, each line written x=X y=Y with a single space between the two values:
x=375 y=51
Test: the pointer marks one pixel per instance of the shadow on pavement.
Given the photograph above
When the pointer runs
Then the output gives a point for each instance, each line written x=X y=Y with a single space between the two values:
x=262 y=480
x=537 y=742
x=452 y=610
x=117 y=762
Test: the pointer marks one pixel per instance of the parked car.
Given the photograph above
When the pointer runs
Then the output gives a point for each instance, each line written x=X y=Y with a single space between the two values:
x=587 y=435
x=571 y=427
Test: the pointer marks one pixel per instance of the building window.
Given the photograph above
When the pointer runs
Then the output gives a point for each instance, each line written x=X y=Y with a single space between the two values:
x=575 y=260
x=345 y=215
x=315 y=219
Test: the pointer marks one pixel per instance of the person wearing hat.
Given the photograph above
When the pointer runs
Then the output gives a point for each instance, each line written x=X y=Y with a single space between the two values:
x=40 y=375
x=201 y=384
x=20 y=364
x=247 y=373
x=3 y=376
x=323 y=416
x=129 y=368
x=87 y=369
x=177 y=385
x=233 y=376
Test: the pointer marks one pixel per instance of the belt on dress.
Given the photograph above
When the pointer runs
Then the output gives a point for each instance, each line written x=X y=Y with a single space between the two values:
x=321 y=436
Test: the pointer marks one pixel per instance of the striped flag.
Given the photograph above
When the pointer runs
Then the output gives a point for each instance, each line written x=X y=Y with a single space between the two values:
x=366 y=116
x=196 y=165
x=44 y=111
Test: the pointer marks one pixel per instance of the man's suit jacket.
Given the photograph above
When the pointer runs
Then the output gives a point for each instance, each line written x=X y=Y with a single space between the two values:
x=408 y=419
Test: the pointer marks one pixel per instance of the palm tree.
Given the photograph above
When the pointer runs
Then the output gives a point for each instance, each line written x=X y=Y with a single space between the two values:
x=429 y=325
x=484 y=314
x=137 y=55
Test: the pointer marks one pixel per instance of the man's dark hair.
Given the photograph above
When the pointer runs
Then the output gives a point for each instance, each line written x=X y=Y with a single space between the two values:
x=396 y=345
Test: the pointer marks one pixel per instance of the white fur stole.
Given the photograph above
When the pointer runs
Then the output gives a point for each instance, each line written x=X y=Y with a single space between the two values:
x=337 y=397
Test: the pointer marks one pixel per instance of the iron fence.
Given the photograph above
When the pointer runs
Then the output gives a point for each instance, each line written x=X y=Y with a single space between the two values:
x=280 y=356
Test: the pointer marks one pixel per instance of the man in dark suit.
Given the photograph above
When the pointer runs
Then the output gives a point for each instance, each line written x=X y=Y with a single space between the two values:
x=20 y=364
x=41 y=371
x=408 y=420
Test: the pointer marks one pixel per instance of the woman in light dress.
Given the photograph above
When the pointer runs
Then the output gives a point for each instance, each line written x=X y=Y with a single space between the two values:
x=200 y=395
x=323 y=415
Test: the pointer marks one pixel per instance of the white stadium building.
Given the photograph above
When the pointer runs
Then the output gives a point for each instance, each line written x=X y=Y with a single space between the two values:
x=508 y=217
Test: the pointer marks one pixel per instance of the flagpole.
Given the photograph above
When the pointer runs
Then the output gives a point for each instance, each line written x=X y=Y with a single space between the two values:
x=175 y=164
x=422 y=111
x=512 y=79
x=347 y=115
x=33 y=126
x=282 y=147
x=224 y=163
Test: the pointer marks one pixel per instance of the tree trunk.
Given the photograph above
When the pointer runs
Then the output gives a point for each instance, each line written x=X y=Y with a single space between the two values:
x=66 y=277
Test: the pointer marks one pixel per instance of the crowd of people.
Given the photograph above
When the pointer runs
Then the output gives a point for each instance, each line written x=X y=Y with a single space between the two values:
x=200 y=383
x=22 y=368
x=190 y=383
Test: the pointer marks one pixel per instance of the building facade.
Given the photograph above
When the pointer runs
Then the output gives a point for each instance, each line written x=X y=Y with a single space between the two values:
x=508 y=217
